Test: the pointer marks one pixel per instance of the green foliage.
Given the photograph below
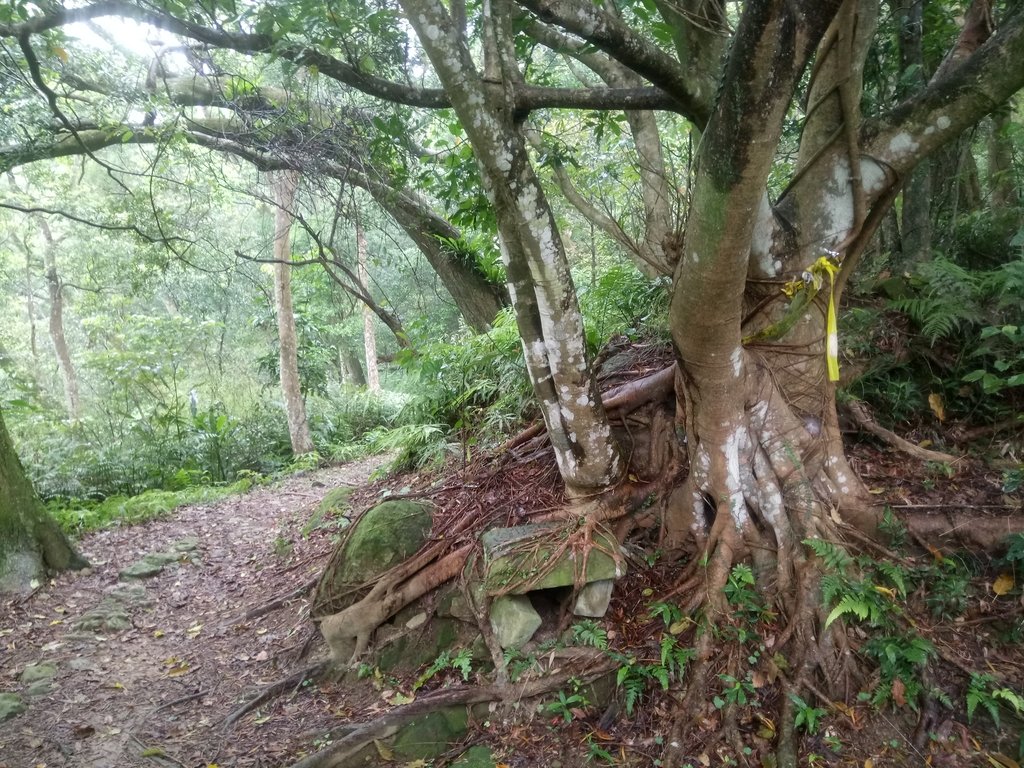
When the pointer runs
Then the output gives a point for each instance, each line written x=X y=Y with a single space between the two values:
x=948 y=588
x=79 y=517
x=1013 y=480
x=590 y=633
x=460 y=661
x=741 y=594
x=566 y=706
x=899 y=657
x=476 y=389
x=860 y=588
x=982 y=690
x=807 y=718
x=623 y=301
x=415 y=446
x=735 y=692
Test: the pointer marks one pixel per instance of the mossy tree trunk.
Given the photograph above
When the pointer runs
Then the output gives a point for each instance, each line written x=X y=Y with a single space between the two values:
x=31 y=542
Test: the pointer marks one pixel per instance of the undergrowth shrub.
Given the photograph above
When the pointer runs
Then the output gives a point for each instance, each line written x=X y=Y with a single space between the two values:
x=965 y=344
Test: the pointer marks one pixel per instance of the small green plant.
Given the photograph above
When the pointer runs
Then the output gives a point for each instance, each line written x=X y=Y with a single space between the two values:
x=1013 y=480
x=667 y=612
x=590 y=633
x=596 y=752
x=741 y=594
x=567 y=707
x=983 y=691
x=807 y=718
x=948 y=588
x=899 y=657
x=893 y=528
x=461 y=662
x=735 y=693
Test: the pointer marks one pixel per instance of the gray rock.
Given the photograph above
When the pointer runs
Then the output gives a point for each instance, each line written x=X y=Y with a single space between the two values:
x=513 y=620
x=82 y=664
x=593 y=599
x=11 y=705
x=43 y=670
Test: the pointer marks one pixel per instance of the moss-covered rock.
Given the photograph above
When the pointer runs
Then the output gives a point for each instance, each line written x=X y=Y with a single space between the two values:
x=381 y=538
x=11 y=705
x=432 y=734
x=477 y=756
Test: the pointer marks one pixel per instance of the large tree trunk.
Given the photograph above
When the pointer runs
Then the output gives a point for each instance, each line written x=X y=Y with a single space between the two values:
x=369 y=335
x=285 y=184
x=57 y=335
x=31 y=543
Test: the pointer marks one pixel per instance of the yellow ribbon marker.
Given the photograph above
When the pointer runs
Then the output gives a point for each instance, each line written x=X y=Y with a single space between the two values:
x=824 y=265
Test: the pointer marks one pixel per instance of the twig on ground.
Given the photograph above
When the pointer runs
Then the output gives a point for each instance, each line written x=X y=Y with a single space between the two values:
x=275 y=690
x=859 y=413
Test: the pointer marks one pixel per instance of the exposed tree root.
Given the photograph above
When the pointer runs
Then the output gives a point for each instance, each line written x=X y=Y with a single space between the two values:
x=962 y=530
x=274 y=690
x=275 y=603
x=584 y=666
x=859 y=413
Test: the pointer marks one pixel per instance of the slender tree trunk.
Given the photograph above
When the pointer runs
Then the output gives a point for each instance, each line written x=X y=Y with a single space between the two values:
x=57 y=336
x=31 y=542
x=352 y=368
x=369 y=335
x=539 y=283
x=1002 y=181
x=916 y=230
x=285 y=184
x=30 y=304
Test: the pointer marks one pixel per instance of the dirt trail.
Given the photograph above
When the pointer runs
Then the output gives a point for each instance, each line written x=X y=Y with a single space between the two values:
x=158 y=662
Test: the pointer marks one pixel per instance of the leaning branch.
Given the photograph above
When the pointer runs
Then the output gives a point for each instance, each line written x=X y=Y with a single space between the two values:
x=95 y=224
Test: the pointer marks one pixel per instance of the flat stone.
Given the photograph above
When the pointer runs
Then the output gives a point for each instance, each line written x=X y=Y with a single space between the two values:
x=39 y=688
x=11 y=705
x=593 y=599
x=41 y=671
x=478 y=756
x=143 y=569
x=417 y=621
x=129 y=594
x=513 y=620
x=519 y=559
x=188 y=544
x=82 y=664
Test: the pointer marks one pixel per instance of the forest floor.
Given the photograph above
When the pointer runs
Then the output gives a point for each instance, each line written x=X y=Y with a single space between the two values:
x=144 y=672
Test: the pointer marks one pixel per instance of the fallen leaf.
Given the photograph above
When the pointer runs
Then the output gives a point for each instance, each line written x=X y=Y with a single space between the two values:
x=194 y=630
x=869 y=763
x=937 y=406
x=936 y=553
x=899 y=692
x=1002 y=761
x=382 y=750
x=1004 y=583
x=158 y=633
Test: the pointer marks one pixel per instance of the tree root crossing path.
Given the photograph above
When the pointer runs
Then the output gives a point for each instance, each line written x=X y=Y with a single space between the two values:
x=139 y=659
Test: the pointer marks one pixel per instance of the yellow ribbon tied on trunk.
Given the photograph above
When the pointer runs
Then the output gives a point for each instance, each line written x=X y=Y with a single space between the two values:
x=824 y=266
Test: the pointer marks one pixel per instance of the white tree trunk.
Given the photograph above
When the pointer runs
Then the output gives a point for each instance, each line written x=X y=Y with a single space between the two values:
x=284 y=184
x=369 y=336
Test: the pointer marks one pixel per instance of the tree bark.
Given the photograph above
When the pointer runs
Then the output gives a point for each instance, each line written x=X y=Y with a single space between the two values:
x=284 y=184
x=31 y=542
x=369 y=335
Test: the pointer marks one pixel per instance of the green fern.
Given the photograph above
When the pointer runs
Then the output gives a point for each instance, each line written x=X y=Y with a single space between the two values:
x=832 y=555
